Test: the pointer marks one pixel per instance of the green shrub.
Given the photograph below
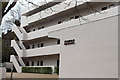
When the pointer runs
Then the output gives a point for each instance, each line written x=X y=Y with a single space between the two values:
x=41 y=70
x=57 y=70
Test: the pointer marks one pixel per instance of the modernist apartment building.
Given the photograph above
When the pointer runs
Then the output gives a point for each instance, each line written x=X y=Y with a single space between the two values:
x=82 y=41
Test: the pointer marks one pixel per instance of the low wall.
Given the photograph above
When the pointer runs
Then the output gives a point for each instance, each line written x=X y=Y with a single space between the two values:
x=2 y=72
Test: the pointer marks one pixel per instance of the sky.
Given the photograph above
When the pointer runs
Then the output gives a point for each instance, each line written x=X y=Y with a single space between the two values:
x=14 y=13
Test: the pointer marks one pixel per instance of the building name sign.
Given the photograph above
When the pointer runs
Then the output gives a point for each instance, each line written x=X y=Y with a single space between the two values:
x=68 y=42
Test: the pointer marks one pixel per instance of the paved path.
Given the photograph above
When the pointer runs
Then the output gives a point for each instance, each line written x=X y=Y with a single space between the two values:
x=31 y=75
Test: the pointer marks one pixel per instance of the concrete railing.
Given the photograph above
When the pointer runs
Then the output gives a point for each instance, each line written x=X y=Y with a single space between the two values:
x=21 y=61
x=44 y=32
x=14 y=44
x=92 y=17
x=32 y=8
x=16 y=64
x=17 y=32
x=48 y=50
x=20 y=32
x=59 y=8
x=53 y=49
x=2 y=73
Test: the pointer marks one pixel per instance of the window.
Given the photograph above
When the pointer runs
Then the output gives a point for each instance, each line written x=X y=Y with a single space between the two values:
x=104 y=8
x=112 y=5
x=59 y=22
x=37 y=63
x=57 y=63
x=32 y=63
x=38 y=45
x=41 y=63
x=28 y=31
x=28 y=47
x=27 y=63
x=42 y=27
x=42 y=44
x=33 y=29
x=58 y=42
x=33 y=46
x=76 y=17
x=39 y=28
x=71 y=18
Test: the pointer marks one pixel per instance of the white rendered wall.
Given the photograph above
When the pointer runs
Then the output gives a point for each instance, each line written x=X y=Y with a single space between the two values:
x=2 y=73
x=95 y=52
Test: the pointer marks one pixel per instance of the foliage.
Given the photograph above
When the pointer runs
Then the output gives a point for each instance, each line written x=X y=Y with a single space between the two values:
x=57 y=70
x=40 y=70
x=6 y=52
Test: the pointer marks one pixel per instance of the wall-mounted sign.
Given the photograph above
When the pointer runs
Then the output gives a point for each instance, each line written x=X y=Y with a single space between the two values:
x=68 y=42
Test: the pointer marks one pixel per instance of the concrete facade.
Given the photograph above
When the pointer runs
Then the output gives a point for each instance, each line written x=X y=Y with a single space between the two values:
x=85 y=48
x=95 y=49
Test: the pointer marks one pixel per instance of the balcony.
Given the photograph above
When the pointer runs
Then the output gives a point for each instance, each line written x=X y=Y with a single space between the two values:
x=14 y=60
x=49 y=50
x=34 y=9
x=90 y=18
x=58 y=8
x=44 y=32
x=20 y=32
x=74 y=22
x=19 y=48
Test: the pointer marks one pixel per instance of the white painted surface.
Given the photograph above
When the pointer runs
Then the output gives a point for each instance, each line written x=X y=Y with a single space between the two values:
x=2 y=73
x=44 y=32
x=95 y=52
x=16 y=64
x=49 y=50
x=94 y=55
x=17 y=48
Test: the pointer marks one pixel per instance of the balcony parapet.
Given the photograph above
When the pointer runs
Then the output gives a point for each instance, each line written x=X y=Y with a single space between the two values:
x=58 y=8
x=48 y=50
x=74 y=22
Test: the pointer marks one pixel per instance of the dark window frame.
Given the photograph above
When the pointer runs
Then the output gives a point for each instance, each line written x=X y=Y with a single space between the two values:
x=77 y=16
x=112 y=5
x=104 y=8
x=58 y=41
x=33 y=29
x=59 y=22
x=27 y=64
x=33 y=46
x=41 y=63
x=28 y=47
x=58 y=63
x=72 y=18
x=38 y=63
x=32 y=63
x=39 y=45
x=42 y=45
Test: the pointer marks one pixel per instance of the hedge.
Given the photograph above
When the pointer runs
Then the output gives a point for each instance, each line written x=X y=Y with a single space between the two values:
x=57 y=70
x=40 y=70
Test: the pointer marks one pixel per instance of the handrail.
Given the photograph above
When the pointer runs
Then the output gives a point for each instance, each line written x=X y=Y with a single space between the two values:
x=16 y=64
x=17 y=48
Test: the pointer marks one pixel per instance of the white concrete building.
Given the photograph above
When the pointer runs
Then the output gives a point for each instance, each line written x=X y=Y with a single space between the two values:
x=85 y=48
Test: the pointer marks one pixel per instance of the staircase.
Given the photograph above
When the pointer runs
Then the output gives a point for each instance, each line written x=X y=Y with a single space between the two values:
x=20 y=32
x=14 y=60
x=19 y=48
